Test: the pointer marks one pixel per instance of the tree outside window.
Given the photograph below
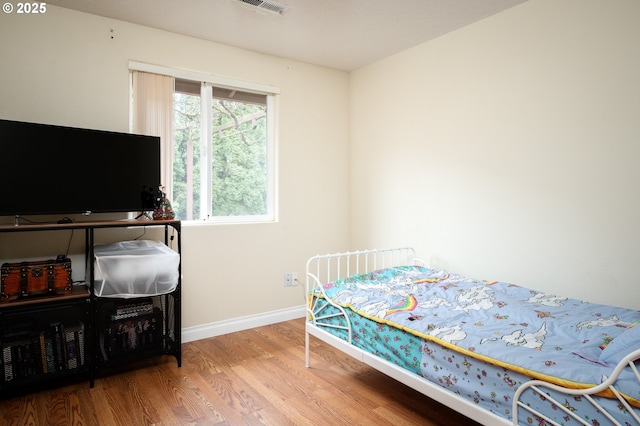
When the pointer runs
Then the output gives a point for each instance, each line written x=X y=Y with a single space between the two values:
x=221 y=146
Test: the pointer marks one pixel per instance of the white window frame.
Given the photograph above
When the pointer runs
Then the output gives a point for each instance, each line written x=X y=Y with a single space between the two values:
x=211 y=80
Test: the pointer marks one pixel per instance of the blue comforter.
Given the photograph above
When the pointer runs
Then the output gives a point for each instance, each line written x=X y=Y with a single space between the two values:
x=544 y=336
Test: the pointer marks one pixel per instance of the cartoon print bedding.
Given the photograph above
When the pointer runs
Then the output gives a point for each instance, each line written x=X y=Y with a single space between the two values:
x=480 y=338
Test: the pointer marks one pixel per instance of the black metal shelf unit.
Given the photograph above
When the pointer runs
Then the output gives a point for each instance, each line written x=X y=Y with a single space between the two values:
x=81 y=335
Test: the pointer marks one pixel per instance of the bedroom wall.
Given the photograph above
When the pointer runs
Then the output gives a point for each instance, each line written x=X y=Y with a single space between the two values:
x=508 y=150
x=71 y=68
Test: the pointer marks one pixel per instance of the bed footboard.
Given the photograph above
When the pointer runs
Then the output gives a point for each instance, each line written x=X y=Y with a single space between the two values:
x=545 y=393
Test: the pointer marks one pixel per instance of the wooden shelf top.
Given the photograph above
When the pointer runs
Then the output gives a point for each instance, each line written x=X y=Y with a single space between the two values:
x=77 y=292
x=48 y=226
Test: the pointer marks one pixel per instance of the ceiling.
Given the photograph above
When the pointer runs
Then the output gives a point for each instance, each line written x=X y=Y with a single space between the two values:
x=340 y=34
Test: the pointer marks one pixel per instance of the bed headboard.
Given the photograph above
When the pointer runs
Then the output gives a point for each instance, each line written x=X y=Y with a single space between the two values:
x=329 y=267
x=322 y=269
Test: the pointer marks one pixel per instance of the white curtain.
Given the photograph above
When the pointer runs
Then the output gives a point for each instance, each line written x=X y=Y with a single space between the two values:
x=152 y=107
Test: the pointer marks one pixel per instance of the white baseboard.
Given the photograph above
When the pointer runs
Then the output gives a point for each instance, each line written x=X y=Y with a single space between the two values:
x=198 y=332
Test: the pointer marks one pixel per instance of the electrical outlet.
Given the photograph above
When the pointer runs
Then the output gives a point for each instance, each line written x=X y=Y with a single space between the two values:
x=290 y=279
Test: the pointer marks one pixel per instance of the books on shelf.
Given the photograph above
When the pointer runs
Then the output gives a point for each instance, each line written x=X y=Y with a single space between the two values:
x=57 y=348
x=133 y=327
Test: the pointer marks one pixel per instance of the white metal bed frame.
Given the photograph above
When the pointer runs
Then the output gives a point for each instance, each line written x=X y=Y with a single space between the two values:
x=326 y=268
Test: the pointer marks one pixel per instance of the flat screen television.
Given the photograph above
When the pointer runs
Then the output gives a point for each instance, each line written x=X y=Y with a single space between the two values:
x=46 y=169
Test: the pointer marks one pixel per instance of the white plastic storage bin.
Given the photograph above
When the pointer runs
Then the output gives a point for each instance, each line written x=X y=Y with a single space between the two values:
x=134 y=269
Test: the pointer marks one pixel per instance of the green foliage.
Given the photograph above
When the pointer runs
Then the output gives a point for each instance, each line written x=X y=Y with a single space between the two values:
x=186 y=151
x=239 y=158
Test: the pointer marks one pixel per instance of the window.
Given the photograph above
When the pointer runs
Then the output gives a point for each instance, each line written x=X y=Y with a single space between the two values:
x=222 y=152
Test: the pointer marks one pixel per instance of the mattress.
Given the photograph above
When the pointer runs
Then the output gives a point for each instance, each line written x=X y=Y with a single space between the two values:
x=482 y=339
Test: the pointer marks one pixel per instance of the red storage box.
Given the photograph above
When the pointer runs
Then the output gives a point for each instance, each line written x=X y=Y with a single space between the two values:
x=39 y=278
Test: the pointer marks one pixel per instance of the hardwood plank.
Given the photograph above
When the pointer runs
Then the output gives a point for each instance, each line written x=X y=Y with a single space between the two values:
x=274 y=396
x=253 y=377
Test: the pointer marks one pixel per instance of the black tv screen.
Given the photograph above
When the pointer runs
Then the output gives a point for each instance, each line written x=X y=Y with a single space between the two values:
x=47 y=169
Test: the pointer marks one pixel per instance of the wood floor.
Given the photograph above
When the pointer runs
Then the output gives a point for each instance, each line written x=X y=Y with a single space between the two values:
x=253 y=377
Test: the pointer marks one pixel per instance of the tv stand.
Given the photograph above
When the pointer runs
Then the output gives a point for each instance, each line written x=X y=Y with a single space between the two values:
x=77 y=330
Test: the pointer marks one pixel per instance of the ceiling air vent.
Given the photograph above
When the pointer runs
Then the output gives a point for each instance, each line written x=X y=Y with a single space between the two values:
x=269 y=6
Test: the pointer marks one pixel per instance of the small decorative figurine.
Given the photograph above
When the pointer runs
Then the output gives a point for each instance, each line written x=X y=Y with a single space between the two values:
x=163 y=209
